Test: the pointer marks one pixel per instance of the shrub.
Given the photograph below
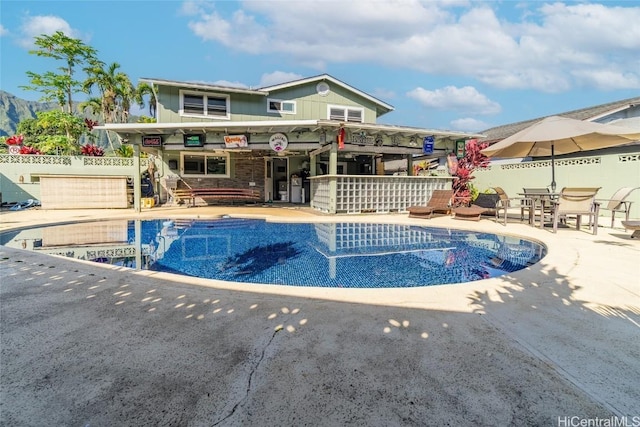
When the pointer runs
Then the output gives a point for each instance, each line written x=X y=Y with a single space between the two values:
x=91 y=150
x=463 y=189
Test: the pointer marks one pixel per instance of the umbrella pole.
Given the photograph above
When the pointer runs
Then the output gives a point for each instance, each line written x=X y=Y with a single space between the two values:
x=553 y=170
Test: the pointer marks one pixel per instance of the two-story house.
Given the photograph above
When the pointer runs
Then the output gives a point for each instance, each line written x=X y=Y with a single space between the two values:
x=306 y=141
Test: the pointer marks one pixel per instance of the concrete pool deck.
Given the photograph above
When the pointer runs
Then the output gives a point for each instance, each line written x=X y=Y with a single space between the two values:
x=89 y=344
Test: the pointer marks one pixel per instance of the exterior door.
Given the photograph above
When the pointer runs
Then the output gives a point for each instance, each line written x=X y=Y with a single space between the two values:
x=280 y=179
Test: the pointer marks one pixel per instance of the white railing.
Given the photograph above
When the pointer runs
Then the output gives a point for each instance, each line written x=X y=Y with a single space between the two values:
x=373 y=193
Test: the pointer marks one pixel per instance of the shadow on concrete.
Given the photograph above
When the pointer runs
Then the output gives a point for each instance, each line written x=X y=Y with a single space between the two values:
x=83 y=345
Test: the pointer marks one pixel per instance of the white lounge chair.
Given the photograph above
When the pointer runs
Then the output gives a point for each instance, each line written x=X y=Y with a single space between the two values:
x=618 y=203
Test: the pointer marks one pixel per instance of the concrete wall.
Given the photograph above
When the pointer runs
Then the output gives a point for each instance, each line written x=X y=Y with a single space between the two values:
x=20 y=174
x=610 y=169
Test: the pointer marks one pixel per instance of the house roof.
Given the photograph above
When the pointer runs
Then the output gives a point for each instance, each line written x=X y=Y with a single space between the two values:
x=590 y=113
x=126 y=130
x=383 y=107
x=204 y=86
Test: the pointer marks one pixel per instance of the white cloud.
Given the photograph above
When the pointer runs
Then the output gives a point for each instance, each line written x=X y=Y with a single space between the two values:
x=34 y=26
x=464 y=99
x=3 y=31
x=278 y=77
x=191 y=8
x=227 y=83
x=241 y=32
x=548 y=48
x=468 y=125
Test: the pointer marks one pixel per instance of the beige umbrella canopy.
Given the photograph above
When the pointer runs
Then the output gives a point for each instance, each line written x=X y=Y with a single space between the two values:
x=561 y=135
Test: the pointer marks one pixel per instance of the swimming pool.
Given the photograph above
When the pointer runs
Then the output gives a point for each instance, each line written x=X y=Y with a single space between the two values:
x=344 y=254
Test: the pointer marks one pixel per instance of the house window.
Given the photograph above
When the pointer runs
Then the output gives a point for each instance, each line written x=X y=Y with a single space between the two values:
x=210 y=164
x=204 y=104
x=346 y=114
x=280 y=106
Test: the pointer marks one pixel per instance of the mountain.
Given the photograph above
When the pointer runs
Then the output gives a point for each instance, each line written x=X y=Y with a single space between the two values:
x=13 y=110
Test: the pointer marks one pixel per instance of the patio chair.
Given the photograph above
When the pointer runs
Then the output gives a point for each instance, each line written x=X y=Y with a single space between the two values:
x=576 y=201
x=507 y=204
x=618 y=203
x=440 y=201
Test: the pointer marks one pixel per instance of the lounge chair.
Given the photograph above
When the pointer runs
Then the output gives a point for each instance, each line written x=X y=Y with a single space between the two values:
x=576 y=201
x=469 y=213
x=487 y=201
x=506 y=204
x=618 y=203
x=632 y=225
x=440 y=201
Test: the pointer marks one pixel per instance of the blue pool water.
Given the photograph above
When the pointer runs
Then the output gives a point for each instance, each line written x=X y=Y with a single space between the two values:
x=346 y=255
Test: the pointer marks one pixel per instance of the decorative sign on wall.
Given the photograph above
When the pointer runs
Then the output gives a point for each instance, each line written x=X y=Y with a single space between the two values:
x=194 y=140
x=361 y=138
x=152 y=141
x=236 y=141
x=278 y=142
x=460 y=148
x=427 y=144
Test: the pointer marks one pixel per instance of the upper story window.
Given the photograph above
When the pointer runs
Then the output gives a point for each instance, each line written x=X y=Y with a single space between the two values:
x=204 y=105
x=346 y=114
x=281 y=106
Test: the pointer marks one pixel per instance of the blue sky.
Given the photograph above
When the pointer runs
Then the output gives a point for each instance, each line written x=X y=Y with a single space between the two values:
x=454 y=64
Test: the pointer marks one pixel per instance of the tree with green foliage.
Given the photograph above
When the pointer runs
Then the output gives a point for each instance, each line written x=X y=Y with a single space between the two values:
x=115 y=94
x=54 y=132
x=60 y=86
x=115 y=90
x=125 y=151
x=144 y=89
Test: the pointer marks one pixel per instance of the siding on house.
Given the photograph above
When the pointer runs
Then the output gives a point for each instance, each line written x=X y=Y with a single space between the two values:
x=248 y=107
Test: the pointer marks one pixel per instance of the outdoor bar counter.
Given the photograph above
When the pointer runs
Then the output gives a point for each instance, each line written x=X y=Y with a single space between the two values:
x=373 y=193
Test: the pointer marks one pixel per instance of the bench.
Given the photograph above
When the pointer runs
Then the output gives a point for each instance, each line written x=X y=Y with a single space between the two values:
x=191 y=194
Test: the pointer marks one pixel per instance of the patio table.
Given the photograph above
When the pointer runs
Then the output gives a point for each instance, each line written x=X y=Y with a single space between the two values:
x=539 y=200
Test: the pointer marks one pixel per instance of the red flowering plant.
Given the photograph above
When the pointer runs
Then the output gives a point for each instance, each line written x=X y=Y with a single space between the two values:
x=91 y=150
x=90 y=124
x=472 y=160
x=25 y=149
x=14 y=140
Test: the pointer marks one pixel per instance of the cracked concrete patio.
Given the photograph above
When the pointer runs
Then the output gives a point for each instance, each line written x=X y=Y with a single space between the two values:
x=89 y=344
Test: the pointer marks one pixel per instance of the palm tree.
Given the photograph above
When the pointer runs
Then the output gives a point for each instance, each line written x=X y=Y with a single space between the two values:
x=116 y=93
x=145 y=89
x=112 y=85
x=95 y=105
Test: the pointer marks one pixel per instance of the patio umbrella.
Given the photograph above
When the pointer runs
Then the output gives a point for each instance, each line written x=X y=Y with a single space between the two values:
x=561 y=135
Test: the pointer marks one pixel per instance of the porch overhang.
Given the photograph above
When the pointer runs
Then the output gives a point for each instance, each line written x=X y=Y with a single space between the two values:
x=325 y=131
